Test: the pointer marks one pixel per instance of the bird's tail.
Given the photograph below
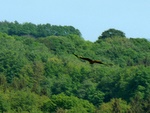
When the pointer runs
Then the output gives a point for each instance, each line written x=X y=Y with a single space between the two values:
x=108 y=64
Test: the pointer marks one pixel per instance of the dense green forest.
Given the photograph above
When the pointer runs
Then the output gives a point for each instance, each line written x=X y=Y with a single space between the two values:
x=40 y=74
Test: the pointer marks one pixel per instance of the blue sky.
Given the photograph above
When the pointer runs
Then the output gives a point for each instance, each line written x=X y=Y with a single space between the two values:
x=91 y=17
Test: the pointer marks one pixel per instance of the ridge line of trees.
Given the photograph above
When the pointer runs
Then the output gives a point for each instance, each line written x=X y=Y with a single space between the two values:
x=33 y=30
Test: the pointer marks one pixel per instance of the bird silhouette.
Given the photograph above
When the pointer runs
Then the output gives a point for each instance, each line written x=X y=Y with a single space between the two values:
x=91 y=61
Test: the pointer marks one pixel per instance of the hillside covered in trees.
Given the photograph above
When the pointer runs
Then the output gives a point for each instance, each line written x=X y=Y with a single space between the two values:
x=40 y=74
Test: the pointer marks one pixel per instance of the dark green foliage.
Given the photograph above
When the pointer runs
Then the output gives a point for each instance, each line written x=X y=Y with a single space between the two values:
x=32 y=30
x=11 y=56
x=42 y=74
x=110 y=33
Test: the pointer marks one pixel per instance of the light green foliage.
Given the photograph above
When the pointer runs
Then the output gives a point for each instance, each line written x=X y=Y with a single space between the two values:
x=114 y=106
x=4 y=103
x=21 y=101
x=70 y=104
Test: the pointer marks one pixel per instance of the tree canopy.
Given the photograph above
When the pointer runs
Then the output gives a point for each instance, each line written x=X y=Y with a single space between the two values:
x=33 y=30
x=41 y=74
x=111 y=33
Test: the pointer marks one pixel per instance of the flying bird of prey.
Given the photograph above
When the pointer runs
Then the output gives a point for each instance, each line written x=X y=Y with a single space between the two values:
x=90 y=60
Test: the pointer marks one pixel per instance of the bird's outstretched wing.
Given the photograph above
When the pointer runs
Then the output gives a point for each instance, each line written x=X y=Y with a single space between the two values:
x=90 y=60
